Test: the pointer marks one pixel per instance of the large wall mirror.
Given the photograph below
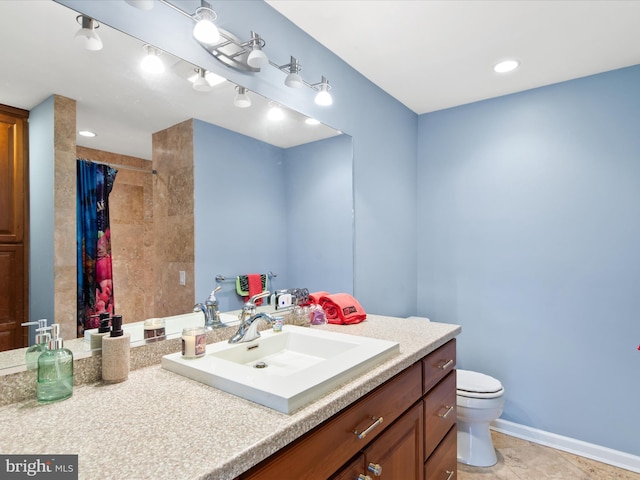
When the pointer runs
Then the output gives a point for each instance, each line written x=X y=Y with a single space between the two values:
x=267 y=196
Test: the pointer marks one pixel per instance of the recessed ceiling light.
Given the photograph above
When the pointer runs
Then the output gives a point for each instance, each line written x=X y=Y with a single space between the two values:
x=86 y=133
x=506 y=66
x=312 y=121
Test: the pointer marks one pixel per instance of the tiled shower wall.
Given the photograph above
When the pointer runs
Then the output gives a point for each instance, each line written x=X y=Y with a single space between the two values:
x=173 y=219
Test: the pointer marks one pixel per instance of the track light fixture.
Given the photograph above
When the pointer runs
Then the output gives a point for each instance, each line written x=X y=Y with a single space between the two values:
x=87 y=35
x=257 y=58
x=205 y=31
x=151 y=62
x=293 y=79
x=201 y=84
x=241 y=99
x=247 y=56
x=323 y=97
x=275 y=113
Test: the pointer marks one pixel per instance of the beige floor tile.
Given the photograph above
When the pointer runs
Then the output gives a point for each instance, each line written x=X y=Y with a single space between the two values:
x=599 y=471
x=523 y=460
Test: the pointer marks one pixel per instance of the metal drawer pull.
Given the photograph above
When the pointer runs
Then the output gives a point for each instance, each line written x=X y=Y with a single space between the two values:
x=445 y=365
x=366 y=477
x=450 y=472
x=361 y=435
x=446 y=414
x=375 y=468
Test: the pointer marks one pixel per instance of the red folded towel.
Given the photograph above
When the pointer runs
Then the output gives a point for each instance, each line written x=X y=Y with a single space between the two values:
x=255 y=286
x=316 y=296
x=342 y=308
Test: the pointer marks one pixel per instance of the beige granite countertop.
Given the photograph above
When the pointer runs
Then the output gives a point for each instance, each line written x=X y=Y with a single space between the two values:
x=160 y=425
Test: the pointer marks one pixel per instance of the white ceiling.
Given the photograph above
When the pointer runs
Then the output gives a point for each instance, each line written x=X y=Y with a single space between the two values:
x=432 y=55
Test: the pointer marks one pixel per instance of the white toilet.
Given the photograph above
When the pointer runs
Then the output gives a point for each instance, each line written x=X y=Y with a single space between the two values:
x=480 y=401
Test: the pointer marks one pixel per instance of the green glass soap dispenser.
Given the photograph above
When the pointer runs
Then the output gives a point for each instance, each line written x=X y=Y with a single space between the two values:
x=55 y=370
x=41 y=344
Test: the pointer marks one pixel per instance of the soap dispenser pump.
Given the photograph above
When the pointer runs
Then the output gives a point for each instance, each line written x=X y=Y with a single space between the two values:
x=41 y=343
x=55 y=370
x=116 y=353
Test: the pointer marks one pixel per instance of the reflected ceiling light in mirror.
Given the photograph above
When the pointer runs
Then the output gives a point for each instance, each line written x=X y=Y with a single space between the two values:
x=141 y=4
x=323 y=97
x=275 y=113
x=312 y=121
x=257 y=58
x=201 y=84
x=293 y=79
x=205 y=30
x=151 y=62
x=241 y=100
x=87 y=36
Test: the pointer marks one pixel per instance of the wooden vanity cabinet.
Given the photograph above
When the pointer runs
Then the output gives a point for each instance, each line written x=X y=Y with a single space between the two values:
x=400 y=430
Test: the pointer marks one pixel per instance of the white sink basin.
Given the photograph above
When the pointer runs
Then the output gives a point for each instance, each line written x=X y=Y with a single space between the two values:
x=286 y=370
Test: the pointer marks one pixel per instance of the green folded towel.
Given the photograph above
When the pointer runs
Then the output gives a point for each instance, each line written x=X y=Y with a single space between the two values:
x=242 y=284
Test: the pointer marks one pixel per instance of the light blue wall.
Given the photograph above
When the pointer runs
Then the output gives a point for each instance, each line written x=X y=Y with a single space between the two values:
x=260 y=208
x=319 y=198
x=240 y=210
x=528 y=237
x=41 y=193
x=384 y=131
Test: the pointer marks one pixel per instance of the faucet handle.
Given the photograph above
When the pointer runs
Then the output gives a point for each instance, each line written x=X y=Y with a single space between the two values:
x=253 y=299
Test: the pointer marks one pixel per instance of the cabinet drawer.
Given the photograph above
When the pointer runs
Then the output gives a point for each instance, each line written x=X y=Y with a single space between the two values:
x=439 y=412
x=325 y=449
x=437 y=364
x=442 y=465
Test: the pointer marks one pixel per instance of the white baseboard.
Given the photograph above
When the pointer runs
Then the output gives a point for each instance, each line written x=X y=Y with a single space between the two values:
x=571 y=445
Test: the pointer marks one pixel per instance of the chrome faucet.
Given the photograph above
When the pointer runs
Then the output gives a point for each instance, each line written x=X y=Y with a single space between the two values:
x=248 y=330
x=249 y=320
x=210 y=311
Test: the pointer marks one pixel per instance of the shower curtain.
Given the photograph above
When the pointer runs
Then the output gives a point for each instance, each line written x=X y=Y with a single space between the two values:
x=95 y=281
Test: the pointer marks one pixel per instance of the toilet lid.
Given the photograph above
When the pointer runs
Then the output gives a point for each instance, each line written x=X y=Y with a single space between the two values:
x=475 y=382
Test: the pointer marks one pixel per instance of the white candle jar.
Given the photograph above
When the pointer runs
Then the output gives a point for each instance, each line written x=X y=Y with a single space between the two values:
x=194 y=342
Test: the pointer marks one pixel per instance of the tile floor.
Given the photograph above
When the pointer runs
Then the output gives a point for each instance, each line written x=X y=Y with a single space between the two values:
x=523 y=460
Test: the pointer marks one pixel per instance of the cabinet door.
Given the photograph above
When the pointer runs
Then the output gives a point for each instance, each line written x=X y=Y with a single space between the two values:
x=354 y=471
x=12 y=175
x=12 y=297
x=397 y=453
x=443 y=463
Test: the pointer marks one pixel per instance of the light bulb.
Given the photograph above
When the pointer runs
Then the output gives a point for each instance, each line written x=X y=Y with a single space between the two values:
x=205 y=30
x=241 y=99
x=141 y=4
x=87 y=36
x=151 y=62
x=201 y=84
x=275 y=113
x=293 y=80
x=257 y=59
x=323 y=97
x=506 y=66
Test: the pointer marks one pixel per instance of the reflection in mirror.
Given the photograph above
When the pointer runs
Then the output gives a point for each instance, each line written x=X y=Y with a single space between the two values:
x=249 y=216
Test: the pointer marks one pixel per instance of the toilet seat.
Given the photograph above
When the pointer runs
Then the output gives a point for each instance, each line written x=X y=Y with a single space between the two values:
x=477 y=385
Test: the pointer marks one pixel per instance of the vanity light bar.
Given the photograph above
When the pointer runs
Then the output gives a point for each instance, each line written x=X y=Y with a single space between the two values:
x=249 y=57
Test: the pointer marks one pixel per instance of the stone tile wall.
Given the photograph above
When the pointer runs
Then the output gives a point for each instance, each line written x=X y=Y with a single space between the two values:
x=173 y=215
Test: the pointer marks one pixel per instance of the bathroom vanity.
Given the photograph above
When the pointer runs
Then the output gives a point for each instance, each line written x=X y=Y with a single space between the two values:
x=161 y=425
